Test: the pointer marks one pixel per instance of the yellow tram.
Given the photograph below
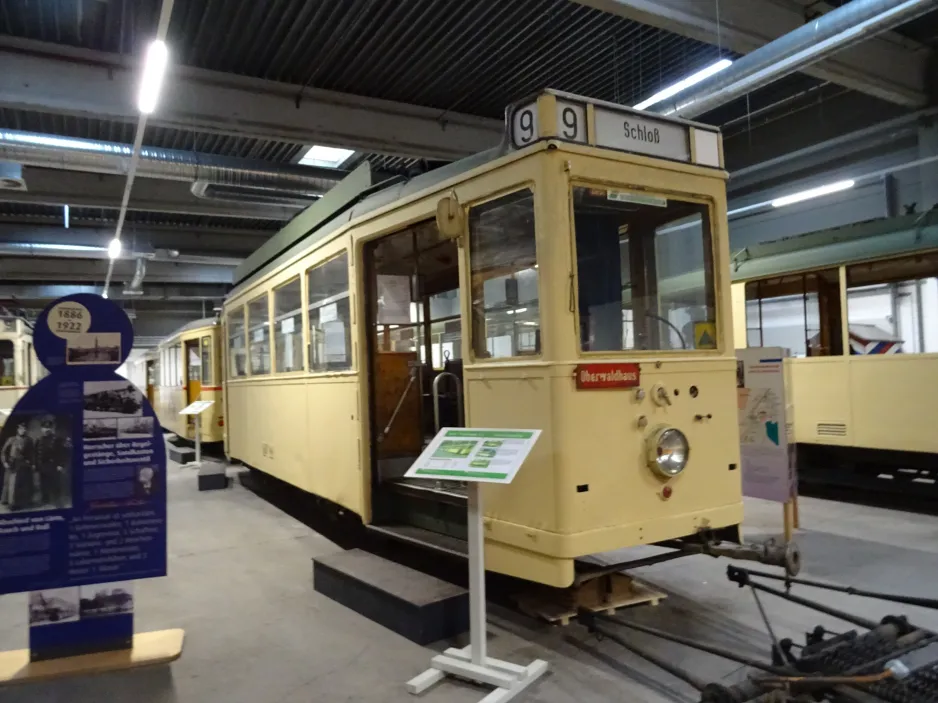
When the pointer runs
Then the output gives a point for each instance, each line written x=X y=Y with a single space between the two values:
x=188 y=368
x=857 y=307
x=524 y=287
x=19 y=367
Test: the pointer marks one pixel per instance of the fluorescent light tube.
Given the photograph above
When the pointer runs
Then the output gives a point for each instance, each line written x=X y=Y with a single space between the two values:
x=114 y=248
x=684 y=83
x=154 y=68
x=812 y=193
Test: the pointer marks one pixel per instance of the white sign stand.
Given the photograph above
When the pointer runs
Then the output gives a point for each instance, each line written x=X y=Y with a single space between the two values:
x=472 y=662
x=196 y=409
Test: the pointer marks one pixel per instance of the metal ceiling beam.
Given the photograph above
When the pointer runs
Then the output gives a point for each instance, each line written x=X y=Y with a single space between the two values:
x=53 y=187
x=91 y=271
x=49 y=78
x=45 y=291
x=884 y=67
x=186 y=240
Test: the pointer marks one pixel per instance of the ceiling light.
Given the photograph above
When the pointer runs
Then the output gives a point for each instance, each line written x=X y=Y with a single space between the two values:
x=812 y=193
x=684 y=83
x=154 y=68
x=114 y=248
x=65 y=215
x=325 y=156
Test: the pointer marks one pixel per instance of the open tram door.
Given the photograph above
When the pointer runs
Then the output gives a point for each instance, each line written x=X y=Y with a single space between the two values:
x=414 y=318
x=193 y=359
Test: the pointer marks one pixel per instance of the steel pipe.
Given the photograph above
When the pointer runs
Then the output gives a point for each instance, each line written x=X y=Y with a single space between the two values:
x=810 y=43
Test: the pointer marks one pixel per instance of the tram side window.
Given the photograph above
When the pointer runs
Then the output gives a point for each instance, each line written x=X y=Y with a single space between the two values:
x=259 y=335
x=288 y=326
x=644 y=272
x=799 y=312
x=892 y=305
x=7 y=365
x=505 y=303
x=330 y=335
x=177 y=365
x=206 y=361
x=236 y=344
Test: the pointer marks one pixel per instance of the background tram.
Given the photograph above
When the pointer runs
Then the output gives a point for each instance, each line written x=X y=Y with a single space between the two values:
x=480 y=293
x=19 y=367
x=188 y=368
x=858 y=308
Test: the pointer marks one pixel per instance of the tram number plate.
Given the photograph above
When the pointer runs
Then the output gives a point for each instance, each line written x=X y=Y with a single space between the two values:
x=595 y=376
x=571 y=123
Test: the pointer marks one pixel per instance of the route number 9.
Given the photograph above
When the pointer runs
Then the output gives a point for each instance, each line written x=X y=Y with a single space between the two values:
x=571 y=122
x=525 y=125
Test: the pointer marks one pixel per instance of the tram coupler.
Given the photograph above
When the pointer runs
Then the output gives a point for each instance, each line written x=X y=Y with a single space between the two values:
x=784 y=554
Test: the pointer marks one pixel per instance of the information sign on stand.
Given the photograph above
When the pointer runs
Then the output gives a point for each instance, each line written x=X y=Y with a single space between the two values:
x=477 y=456
x=767 y=462
x=196 y=409
x=83 y=503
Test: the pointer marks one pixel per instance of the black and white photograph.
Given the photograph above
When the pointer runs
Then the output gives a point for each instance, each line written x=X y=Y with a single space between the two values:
x=53 y=605
x=134 y=427
x=146 y=484
x=93 y=348
x=35 y=463
x=112 y=399
x=95 y=428
x=102 y=599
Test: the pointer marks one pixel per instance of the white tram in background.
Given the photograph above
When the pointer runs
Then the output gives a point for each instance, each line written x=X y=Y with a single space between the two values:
x=19 y=367
x=857 y=306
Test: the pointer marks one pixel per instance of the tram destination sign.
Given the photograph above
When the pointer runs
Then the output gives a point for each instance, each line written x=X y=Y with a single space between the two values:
x=614 y=375
x=581 y=120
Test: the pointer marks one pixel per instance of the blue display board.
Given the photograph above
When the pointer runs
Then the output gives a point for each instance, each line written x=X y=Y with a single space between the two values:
x=83 y=476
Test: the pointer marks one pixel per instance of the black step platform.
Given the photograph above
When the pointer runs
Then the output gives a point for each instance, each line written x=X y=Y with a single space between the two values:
x=181 y=455
x=422 y=608
x=212 y=476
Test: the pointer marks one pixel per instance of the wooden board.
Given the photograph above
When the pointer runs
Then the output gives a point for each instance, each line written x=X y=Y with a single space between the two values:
x=392 y=373
x=602 y=595
x=149 y=648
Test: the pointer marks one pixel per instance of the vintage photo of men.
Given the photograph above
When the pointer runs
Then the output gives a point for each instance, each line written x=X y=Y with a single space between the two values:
x=35 y=463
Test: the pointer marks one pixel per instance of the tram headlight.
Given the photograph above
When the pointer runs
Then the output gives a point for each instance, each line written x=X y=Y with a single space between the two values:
x=667 y=451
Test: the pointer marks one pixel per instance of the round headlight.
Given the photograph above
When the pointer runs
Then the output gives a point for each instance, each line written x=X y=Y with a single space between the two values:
x=668 y=451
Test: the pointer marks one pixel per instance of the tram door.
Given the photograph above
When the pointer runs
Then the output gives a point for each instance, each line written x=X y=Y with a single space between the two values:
x=193 y=376
x=415 y=359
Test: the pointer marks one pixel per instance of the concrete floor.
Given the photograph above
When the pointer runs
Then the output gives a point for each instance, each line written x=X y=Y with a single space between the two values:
x=256 y=632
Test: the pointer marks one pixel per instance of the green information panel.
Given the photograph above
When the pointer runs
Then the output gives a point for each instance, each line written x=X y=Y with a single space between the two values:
x=464 y=454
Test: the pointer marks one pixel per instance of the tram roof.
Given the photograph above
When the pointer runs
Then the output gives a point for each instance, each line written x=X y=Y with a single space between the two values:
x=189 y=326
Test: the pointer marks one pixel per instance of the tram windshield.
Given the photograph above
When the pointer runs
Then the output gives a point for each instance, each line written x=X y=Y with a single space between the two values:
x=645 y=272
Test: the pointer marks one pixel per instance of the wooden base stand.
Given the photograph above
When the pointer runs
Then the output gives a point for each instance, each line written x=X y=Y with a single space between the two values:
x=604 y=594
x=149 y=648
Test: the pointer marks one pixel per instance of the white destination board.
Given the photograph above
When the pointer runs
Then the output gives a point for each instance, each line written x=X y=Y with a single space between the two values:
x=475 y=454
x=627 y=131
x=197 y=408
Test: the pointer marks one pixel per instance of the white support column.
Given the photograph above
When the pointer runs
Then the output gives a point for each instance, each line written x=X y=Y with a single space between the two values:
x=477 y=632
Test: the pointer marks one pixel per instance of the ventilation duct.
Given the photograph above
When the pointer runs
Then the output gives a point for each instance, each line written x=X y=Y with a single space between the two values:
x=298 y=185
x=134 y=287
x=11 y=176
x=838 y=29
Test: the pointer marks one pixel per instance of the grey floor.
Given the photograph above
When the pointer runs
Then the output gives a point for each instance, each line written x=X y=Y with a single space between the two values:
x=256 y=632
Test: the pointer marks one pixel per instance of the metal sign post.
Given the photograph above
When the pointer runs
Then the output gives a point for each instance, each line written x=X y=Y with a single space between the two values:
x=196 y=409
x=477 y=456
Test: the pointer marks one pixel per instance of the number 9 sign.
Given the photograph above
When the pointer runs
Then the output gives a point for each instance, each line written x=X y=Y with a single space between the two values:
x=69 y=318
x=524 y=126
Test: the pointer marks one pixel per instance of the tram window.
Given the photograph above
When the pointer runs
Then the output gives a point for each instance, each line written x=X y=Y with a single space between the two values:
x=206 y=361
x=330 y=335
x=799 y=312
x=505 y=303
x=236 y=343
x=644 y=272
x=7 y=365
x=892 y=305
x=177 y=364
x=259 y=335
x=288 y=326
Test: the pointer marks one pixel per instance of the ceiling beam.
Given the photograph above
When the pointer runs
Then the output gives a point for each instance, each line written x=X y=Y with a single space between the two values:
x=54 y=187
x=884 y=67
x=141 y=239
x=93 y=271
x=45 y=77
x=25 y=292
